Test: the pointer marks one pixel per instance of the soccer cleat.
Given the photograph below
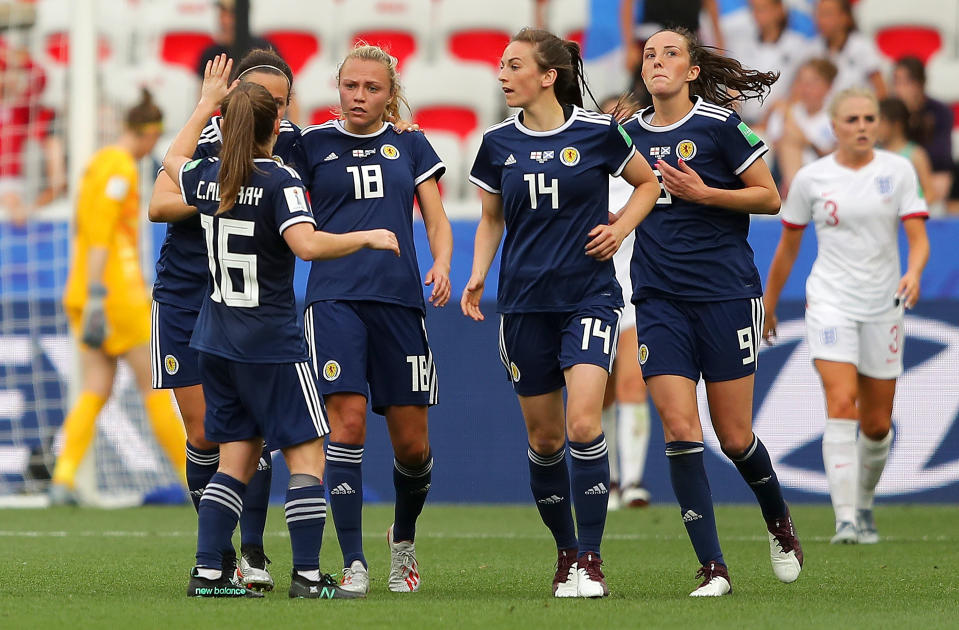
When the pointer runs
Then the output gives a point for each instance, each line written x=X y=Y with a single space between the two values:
x=566 y=579
x=591 y=581
x=325 y=588
x=61 y=494
x=223 y=586
x=614 y=502
x=251 y=570
x=635 y=496
x=404 y=570
x=356 y=578
x=866 y=533
x=715 y=581
x=785 y=552
x=845 y=534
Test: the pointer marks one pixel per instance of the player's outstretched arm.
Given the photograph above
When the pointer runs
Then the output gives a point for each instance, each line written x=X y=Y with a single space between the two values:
x=779 y=270
x=440 y=236
x=908 y=290
x=489 y=233
x=605 y=239
x=309 y=244
x=166 y=202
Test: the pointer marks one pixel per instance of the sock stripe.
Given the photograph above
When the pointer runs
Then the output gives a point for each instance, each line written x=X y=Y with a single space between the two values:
x=305 y=502
x=595 y=451
x=344 y=455
x=407 y=471
x=672 y=452
x=548 y=460
x=749 y=451
x=314 y=510
x=201 y=458
x=212 y=493
x=226 y=491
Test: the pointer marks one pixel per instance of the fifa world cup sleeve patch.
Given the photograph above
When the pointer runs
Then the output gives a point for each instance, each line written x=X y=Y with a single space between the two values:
x=749 y=134
x=189 y=166
x=295 y=199
x=626 y=136
x=117 y=188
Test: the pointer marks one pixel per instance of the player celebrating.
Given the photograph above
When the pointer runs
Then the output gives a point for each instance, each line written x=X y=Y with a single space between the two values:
x=364 y=319
x=178 y=292
x=253 y=360
x=106 y=300
x=855 y=297
x=543 y=176
x=696 y=289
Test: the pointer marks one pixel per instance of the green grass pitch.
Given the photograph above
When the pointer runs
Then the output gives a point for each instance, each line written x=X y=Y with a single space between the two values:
x=485 y=567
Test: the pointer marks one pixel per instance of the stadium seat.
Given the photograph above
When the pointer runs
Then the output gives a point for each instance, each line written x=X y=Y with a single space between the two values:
x=450 y=149
x=569 y=19
x=299 y=31
x=400 y=26
x=178 y=31
x=942 y=80
x=173 y=87
x=315 y=90
x=457 y=97
x=918 y=27
x=479 y=31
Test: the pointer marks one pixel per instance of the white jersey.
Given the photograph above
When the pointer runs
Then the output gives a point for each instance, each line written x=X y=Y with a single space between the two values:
x=858 y=60
x=856 y=214
x=619 y=192
x=816 y=128
x=784 y=56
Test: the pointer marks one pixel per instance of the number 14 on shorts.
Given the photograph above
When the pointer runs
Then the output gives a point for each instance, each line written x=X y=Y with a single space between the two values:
x=593 y=327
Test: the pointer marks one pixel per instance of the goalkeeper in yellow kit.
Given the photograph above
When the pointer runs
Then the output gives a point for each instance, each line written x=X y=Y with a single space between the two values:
x=106 y=300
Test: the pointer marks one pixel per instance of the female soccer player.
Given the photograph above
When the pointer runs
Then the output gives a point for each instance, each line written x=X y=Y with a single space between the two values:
x=364 y=318
x=543 y=177
x=105 y=298
x=855 y=296
x=696 y=290
x=178 y=292
x=253 y=360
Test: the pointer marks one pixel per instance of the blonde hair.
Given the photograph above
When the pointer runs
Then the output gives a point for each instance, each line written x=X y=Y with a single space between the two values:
x=848 y=93
x=367 y=52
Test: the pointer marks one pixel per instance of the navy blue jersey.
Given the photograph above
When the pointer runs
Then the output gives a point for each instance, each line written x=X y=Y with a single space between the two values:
x=249 y=312
x=181 y=274
x=363 y=183
x=555 y=189
x=684 y=249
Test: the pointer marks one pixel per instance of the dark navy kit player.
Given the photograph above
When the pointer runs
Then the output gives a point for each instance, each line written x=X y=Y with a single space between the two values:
x=543 y=175
x=696 y=289
x=254 y=365
x=178 y=293
x=364 y=318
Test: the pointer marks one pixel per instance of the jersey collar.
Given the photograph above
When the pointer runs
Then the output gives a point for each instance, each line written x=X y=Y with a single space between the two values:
x=529 y=132
x=339 y=127
x=656 y=129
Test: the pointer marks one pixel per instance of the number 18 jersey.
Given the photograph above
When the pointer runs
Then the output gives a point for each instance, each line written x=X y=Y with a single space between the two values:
x=554 y=186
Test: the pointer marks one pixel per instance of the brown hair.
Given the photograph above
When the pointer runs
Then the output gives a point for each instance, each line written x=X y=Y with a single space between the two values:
x=267 y=62
x=894 y=111
x=248 y=126
x=846 y=7
x=144 y=114
x=550 y=51
x=914 y=68
x=367 y=52
x=719 y=75
x=826 y=69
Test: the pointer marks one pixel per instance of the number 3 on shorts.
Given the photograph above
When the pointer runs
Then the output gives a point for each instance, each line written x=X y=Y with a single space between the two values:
x=746 y=343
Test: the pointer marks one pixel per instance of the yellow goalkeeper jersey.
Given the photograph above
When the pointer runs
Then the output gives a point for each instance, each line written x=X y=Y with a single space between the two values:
x=108 y=216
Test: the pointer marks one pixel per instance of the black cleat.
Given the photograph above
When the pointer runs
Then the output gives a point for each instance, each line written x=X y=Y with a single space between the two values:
x=326 y=588
x=223 y=586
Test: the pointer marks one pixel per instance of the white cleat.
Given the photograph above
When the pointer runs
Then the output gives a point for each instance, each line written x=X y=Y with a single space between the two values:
x=613 y=502
x=566 y=579
x=404 y=570
x=635 y=496
x=251 y=569
x=785 y=551
x=866 y=533
x=845 y=534
x=592 y=582
x=356 y=578
x=715 y=581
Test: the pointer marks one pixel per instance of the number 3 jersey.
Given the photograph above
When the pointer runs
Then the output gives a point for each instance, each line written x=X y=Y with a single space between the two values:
x=555 y=190
x=249 y=312
x=687 y=250
x=856 y=214
x=365 y=182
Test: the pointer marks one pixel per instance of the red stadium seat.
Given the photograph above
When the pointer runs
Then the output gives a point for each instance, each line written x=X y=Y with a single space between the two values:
x=458 y=97
x=296 y=47
x=452 y=118
x=183 y=48
x=480 y=45
x=400 y=26
x=58 y=48
x=903 y=41
x=322 y=114
x=400 y=44
x=479 y=31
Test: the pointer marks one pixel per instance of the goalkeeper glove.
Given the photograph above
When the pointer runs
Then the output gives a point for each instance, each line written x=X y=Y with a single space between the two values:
x=94 y=321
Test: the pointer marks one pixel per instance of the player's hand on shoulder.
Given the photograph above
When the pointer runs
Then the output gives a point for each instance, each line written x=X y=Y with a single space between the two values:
x=470 y=301
x=439 y=277
x=402 y=125
x=604 y=242
x=382 y=239
x=683 y=182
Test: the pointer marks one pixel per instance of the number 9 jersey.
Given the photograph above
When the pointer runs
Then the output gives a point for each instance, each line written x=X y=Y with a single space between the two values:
x=555 y=189
x=249 y=313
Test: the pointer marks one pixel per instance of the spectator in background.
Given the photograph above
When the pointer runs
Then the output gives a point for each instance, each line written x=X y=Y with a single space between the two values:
x=891 y=134
x=639 y=19
x=929 y=125
x=855 y=55
x=774 y=46
x=225 y=37
x=801 y=130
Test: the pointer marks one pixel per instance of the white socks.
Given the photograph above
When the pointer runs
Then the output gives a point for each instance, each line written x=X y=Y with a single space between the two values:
x=312 y=575
x=842 y=466
x=872 y=460
x=633 y=442
x=609 y=429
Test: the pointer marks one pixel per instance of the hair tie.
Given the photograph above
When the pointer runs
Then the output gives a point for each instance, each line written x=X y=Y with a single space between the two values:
x=278 y=71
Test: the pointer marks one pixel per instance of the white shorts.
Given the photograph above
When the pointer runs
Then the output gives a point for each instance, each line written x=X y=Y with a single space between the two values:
x=875 y=348
x=621 y=259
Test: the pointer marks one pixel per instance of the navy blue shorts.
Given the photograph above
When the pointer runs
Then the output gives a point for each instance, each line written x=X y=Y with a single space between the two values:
x=376 y=349
x=276 y=401
x=716 y=340
x=175 y=363
x=535 y=348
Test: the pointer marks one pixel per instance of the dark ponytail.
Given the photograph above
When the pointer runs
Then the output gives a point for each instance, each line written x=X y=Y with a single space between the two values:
x=550 y=51
x=247 y=127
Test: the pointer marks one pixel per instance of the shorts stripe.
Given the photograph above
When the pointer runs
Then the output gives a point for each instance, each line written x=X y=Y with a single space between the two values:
x=155 y=346
x=759 y=316
x=615 y=342
x=310 y=334
x=431 y=367
x=503 y=355
x=312 y=398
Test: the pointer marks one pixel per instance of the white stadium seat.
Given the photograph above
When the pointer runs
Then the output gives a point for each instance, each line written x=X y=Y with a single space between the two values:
x=568 y=19
x=450 y=149
x=300 y=30
x=479 y=31
x=315 y=91
x=453 y=96
x=176 y=32
x=401 y=26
